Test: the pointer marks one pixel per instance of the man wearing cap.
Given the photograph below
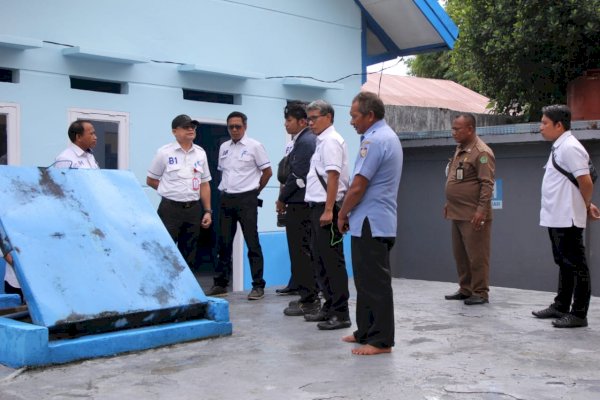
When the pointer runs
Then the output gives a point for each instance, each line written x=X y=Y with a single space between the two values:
x=245 y=171
x=79 y=152
x=179 y=173
x=469 y=188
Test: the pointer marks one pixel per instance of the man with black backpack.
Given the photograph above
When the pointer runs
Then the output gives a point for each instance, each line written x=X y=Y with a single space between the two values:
x=566 y=204
x=291 y=204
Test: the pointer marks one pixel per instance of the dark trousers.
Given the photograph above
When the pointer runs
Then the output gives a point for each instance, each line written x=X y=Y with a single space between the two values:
x=330 y=266
x=183 y=223
x=9 y=289
x=297 y=229
x=373 y=281
x=240 y=208
x=471 y=250
x=574 y=275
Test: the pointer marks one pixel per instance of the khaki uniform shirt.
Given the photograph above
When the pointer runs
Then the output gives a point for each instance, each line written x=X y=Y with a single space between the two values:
x=474 y=191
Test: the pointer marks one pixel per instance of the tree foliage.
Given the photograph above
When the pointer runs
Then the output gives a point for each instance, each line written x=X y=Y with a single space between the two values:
x=519 y=53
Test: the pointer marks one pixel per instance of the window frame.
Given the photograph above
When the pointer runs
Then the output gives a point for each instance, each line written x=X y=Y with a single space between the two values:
x=119 y=117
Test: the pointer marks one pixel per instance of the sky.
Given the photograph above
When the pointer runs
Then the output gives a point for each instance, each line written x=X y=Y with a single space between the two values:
x=397 y=68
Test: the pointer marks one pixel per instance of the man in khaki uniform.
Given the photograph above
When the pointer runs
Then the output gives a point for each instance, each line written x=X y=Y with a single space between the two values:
x=469 y=187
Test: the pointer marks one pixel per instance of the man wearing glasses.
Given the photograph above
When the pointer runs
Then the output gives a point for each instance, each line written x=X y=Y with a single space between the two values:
x=326 y=184
x=179 y=173
x=245 y=171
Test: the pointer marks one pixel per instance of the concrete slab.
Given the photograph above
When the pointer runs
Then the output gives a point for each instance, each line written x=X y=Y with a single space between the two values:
x=121 y=259
x=444 y=351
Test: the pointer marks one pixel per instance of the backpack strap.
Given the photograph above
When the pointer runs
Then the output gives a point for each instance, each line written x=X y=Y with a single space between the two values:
x=569 y=176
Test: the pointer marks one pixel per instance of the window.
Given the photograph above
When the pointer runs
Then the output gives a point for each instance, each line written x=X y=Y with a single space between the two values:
x=8 y=75
x=112 y=130
x=9 y=134
x=98 y=86
x=209 y=97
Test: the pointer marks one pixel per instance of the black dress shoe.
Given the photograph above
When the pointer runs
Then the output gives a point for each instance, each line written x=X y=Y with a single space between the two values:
x=475 y=300
x=456 y=296
x=287 y=291
x=316 y=317
x=570 y=321
x=334 y=322
x=299 y=309
x=549 y=312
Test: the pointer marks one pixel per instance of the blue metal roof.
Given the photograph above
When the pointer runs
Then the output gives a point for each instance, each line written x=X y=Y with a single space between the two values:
x=393 y=28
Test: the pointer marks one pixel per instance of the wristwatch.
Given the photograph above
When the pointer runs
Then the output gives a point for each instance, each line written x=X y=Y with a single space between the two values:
x=207 y=211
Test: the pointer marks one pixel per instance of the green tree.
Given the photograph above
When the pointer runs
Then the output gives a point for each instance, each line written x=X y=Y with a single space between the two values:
x=519 y=53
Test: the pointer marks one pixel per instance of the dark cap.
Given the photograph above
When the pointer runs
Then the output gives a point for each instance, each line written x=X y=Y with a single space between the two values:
x=183 y=120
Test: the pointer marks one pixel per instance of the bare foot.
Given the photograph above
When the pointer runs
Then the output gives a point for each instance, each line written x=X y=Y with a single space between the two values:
x=349 y=339
x=368 y=350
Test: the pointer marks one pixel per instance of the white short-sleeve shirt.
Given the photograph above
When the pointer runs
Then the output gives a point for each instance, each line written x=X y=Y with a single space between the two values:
x=331 y=154
x=562 y=203
x=74 y=157
x=241 y=164
x=9 y=274
x=180 y=172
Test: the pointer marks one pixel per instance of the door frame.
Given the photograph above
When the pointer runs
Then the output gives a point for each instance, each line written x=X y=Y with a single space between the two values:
x=237 y=276
x=13 y=129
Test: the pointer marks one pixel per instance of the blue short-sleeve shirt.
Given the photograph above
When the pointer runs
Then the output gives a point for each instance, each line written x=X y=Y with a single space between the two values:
x=380 y=161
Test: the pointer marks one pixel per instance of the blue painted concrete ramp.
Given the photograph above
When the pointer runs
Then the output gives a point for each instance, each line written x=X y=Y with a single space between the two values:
x=91 y=253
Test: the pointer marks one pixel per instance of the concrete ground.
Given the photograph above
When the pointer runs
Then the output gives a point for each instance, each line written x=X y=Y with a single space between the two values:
x=444 y=350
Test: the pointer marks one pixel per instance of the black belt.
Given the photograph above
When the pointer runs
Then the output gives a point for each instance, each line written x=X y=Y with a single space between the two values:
x=255 y=192
x=313 y=204
x=182 y=204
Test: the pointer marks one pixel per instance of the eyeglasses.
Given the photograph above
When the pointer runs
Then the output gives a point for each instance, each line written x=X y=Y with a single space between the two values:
x=234 y=127
x=188 y=126
x=313 y=118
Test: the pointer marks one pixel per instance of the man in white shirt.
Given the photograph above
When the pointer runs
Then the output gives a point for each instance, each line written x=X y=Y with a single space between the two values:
x=326 y=185
x=246 y=169
x=79 y=152
x=11 y=284
x=565 y=209
x=179 y=173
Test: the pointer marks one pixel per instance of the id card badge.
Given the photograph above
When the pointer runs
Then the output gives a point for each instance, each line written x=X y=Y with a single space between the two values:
x=460 y=172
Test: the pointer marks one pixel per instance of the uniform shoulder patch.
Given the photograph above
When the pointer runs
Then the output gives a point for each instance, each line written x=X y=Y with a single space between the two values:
x=483 y=159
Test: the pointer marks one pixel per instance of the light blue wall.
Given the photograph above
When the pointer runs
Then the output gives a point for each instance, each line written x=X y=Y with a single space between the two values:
x=314 y=38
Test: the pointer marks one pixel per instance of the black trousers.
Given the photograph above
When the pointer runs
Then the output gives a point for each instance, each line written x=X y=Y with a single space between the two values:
x=9 y=289
x=297 y=229
x=330 y=266
x=574 y=275
x=373 y=280
x=240 y=208
x=183 y=222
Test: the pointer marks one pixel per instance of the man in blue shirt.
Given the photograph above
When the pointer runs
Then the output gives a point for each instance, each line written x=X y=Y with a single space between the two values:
x=369 y=213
